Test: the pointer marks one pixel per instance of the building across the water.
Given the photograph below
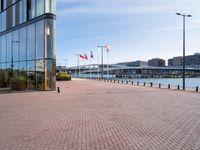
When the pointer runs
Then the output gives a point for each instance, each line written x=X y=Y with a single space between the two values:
x=27 y=42
x=190 y=60
x=137 y=63
x=156 y=62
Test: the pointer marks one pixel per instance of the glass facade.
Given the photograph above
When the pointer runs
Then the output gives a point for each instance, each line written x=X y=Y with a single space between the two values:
x=27 y=45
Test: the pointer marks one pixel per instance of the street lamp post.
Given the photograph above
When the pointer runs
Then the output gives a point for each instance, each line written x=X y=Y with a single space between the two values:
x=184 y=16
x=102 y=47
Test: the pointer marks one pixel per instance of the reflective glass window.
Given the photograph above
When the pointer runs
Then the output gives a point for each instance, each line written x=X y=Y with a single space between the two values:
x=20 y=12
x=31 y=42
x=13 y=1
x=3 y=48
x=15 y=68
x=9 y=18
x=3 y=19
x=3 y=75
x=40 y=74
x=31 y=75
x=50 y=6
x=49 y=74
x=24 y=10
x=9 y=44
x=0 y=50
x=16 y=45
x=40 y=39
x=0 y=23
x=22 y=68
x=32 y=9
x=39 y=7
x=13 y=15
x=22 y=43
x=4 y=4
x=49 y=36
x=9 y=3
x=17 y=13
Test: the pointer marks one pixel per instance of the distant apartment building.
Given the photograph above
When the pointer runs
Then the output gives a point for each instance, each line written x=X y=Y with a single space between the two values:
x=137 y=63
x=190 y=60
x=156 y=62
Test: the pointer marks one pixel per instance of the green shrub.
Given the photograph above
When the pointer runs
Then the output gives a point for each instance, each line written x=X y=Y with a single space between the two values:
x=62 y=76
x=19 y=83
x=3 y=78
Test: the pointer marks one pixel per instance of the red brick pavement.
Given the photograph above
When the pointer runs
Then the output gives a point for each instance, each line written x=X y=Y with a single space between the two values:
x=94 y=115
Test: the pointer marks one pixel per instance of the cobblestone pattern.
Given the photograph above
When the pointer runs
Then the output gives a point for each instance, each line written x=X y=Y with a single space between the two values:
x=92 y=115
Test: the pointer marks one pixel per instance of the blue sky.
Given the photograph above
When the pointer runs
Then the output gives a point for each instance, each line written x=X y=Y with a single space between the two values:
x=135 y=29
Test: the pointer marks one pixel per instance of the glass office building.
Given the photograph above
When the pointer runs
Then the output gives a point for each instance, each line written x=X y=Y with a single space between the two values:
x=27 y=46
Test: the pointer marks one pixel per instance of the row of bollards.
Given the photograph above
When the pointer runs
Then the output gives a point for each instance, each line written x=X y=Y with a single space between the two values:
x=138 y=84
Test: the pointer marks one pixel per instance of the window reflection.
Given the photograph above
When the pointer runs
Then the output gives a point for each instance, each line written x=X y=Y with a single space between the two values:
x=40 y=74
x=40 y=7
x=40 y=39
x=9 y=47
x=22 y=43
x=31 y=42
x=15 y=42
x=3 y=48
x=31 y=75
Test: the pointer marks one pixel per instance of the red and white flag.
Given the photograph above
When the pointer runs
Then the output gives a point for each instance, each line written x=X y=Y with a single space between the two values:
x=91 y=55
x=86 y=57
x=82 y=57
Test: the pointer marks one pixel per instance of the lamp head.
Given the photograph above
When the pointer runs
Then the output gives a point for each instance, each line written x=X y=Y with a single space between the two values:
x=178 y=14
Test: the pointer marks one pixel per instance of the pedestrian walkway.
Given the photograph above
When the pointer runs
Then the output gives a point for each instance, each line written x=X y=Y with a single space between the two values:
x=95 y=115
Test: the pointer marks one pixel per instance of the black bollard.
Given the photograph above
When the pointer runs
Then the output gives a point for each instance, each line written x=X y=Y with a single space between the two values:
x=151 y=84
x=169 y=86
x=159 y=85
x=178 y=87
x=197 y=89
x=144 y=84
x=132 y=82
x=58 y=88
x=122 y=81
x=118 y=81
x=138 y=83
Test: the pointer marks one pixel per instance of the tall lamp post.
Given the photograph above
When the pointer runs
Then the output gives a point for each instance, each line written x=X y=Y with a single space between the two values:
x=102 y=47
x=184 y=16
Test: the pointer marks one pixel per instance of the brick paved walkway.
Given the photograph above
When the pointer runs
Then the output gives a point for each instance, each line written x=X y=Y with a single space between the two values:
x=94 y=115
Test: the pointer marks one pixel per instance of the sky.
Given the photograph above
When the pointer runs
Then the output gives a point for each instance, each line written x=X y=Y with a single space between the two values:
x=135 y=29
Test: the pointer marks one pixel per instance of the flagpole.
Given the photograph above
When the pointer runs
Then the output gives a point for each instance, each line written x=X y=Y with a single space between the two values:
x=78 y=73
x=84 y=68
x=107 y=64
x=78 y=66
x=98 y=65
x=90 y=67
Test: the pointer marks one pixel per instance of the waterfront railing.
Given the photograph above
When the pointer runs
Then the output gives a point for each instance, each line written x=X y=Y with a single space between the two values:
x=150 y=84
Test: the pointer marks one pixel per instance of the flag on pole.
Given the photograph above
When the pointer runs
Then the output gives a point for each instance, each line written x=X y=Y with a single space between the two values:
x=82 y=57
x=107 y=48
x=91 y=55
x=86 y=57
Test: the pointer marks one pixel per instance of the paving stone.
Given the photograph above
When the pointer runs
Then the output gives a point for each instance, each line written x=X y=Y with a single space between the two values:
x=95 y=115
